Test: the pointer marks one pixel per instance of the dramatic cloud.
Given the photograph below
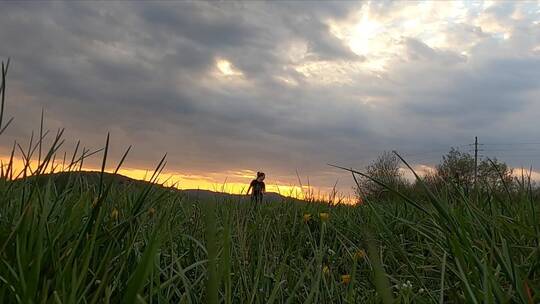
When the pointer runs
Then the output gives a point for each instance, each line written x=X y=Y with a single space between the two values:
x=233 y=86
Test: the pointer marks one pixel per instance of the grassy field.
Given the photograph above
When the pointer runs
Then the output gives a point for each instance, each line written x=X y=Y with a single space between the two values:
x=81 y=238
x=77 y=241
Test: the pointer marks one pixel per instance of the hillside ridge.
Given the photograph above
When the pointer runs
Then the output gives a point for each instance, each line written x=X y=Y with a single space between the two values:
x=61 y=178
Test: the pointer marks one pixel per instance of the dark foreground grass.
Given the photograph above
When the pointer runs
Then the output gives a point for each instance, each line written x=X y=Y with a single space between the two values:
x=147 y=244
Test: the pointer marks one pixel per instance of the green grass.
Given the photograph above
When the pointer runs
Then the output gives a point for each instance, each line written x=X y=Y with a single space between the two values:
x=93 y=240
x=64 y=247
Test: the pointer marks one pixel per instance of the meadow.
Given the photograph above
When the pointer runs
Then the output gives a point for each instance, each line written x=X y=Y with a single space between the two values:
x=91 y=239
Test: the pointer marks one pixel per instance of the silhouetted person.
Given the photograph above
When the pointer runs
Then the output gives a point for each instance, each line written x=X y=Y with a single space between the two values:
x=257 y=188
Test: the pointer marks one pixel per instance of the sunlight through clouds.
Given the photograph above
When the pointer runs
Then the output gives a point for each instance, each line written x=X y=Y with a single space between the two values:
x=377 y=32
x=226 y=68
x=363 y=33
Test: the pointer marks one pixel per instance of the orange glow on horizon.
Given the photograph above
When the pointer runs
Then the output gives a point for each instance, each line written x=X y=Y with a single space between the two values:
x=232 y=182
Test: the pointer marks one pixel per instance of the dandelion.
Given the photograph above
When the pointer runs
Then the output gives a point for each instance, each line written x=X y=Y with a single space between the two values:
x=359 y=254
x=346 y=278
x=114 y=214
x=324 y=216
x=151 y=212
x=326 y=270
x=307 y=217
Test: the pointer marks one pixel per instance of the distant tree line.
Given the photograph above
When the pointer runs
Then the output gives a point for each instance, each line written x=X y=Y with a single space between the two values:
x=455 y=173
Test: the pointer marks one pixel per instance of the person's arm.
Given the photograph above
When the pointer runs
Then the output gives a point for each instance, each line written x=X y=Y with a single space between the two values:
x=249 y=188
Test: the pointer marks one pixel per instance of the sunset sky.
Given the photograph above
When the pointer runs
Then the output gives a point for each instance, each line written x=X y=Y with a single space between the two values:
x=227 y=89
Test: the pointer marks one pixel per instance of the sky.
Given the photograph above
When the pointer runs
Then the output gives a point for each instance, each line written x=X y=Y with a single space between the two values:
x=227 y=89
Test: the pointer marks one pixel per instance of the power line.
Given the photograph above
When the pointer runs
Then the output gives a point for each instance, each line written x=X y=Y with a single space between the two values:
x=512 y=144
x=479 y=150
x=519 y=156
x=501 y=150
x=424 y=153
x=428 y=159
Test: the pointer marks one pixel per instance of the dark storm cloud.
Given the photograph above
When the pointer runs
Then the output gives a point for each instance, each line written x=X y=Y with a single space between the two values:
x=147 y=73
x=306 y=20
x=203 y=23
x=476 y=93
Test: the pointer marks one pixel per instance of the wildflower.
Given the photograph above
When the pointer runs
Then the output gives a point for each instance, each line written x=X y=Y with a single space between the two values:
x=324 y=216
x=151 y=212
x=114 y=214
x=407 y=285
x=346 y=278
x=326 y=270
x=421 y=290
x=307 y=217
x=359 y=255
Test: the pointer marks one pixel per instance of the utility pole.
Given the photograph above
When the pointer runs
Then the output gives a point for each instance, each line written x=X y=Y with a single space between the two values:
x=475 y=160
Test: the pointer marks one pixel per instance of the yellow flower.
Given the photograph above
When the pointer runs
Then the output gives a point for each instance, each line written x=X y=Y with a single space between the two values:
x=360 y=254
x=324 y=216
x=346 y=278
x=307 y=217
x=326 y=270
x=114 y=214
x=151 y=212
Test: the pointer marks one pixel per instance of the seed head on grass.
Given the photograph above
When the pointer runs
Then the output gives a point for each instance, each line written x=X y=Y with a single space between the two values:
x=326 y=270
x=359 y=255
x=114 y=214
x=324 y=216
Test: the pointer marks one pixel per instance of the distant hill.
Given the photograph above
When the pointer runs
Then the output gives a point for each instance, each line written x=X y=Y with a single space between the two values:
x=60 y=179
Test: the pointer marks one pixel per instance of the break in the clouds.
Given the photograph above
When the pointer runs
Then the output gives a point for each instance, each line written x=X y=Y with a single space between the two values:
x=275 y=86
